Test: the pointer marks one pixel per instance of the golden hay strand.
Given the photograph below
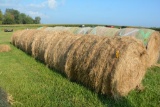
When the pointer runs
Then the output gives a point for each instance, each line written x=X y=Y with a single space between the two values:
x=92 y=61
x=4 y=48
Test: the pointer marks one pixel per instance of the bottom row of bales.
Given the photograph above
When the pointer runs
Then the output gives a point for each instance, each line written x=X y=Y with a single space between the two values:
x=112 y=66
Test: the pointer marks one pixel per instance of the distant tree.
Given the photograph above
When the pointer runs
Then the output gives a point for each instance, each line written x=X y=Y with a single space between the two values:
x=22 y=18
x=1 y=17
x=37 y=20
x=12 y=16
x=29 y=20
x=8 y=18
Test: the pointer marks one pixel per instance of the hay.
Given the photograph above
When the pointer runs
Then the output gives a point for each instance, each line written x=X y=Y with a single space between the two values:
x=56 y=51
x=15 y=37
x=4 y=100
x=92 y=61
x=24 y=39
x=104 y=31
x=150 y=38
x=4 y=48
x=84 y=30
x=107 y=65
x=39 y=45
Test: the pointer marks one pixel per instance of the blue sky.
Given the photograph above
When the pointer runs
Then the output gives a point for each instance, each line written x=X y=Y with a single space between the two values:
x=108 y=12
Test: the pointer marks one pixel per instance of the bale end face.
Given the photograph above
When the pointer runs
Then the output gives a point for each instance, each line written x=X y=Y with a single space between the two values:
x=130 y=69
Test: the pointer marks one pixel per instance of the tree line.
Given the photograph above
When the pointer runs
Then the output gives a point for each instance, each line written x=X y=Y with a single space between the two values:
x=12 y=16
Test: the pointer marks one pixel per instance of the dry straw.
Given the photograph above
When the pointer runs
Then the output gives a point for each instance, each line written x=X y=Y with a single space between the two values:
x=57 y=49
x=150 y=38
x=107 y=65
x=104 y=31
x=4 y=48
x=92 y=61
x=23 y=39
x=84 y=30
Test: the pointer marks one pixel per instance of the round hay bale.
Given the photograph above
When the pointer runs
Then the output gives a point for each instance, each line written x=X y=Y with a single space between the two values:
x=4 y=102
x=40 y=44
x=29 y=40
x=150 y=38
x=15 y=37
x=57 y=49
x=84 y=30
x=25 y=38
x=92 y=61
x=73 y=29
x=104 y=31
x=4 y=48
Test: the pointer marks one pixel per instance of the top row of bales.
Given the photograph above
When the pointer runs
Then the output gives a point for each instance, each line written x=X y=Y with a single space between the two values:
x=150 y=38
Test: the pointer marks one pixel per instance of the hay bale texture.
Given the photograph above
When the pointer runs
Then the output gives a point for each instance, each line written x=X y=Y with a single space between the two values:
x=62 y=28
x=57 y=49
x=104 y=31
x=23 y=39
x=150 y=38
x=4 y=48
x=84 y=30
x=92 y=61
x=107 y=65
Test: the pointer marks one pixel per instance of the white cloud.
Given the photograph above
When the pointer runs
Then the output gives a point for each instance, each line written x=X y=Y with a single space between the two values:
x=52 y=4
x=34 y=14
x=42 y=5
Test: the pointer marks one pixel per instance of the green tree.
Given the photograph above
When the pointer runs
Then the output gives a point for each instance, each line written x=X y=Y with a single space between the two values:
x=22 y=18
x=8 y=18
x=37 y=20
x=12 y=16
x=29 y=20
x=1 y=17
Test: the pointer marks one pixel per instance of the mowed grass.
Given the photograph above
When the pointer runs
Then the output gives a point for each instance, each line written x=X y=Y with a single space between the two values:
x=32 y=84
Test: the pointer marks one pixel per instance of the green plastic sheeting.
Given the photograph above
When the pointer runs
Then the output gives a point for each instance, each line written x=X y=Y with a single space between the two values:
x=141 y=34
x=144 y=35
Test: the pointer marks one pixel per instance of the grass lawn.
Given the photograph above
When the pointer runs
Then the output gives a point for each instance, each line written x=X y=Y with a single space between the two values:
x=32 y=84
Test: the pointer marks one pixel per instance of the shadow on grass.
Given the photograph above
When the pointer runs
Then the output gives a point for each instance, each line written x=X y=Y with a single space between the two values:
x=104 y=99
x=111 y=102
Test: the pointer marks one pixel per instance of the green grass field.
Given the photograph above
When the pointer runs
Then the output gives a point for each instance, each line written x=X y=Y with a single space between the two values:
x=32 y=84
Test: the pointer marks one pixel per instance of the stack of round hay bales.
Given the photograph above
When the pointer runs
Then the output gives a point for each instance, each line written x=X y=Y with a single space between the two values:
x=150 y=38
x=107 y=65
x=104 y=31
